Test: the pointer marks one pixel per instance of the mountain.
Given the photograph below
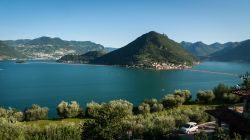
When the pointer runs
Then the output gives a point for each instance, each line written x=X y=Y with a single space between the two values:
x=238 y=52
x=51 y=48
x=204 y=51
x=84 y=58
x=7 y=52
x=149 y=50
x=200 y=49
x=109 y=49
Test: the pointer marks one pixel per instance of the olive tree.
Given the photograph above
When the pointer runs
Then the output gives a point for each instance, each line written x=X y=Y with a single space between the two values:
x=66 y=110
x=186 y=94
x=170 y=101
x=154 y=105
x=106 y=119
x=205 y=96
x=144 y=108
x=11 y=113
x=35 y=112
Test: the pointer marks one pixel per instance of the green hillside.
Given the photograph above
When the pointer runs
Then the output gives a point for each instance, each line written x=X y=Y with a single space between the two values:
x=84 y=58
x=149 y=48
x=7 y=52
x=51 y=48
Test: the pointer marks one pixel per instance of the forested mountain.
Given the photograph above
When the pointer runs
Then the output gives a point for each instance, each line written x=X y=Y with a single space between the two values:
x=147 y=50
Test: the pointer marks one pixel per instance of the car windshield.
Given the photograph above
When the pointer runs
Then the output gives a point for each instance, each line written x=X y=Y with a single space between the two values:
x=187 y=125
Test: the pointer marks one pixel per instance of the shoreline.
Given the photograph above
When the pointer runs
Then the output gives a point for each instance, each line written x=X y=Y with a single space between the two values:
x=154 y=66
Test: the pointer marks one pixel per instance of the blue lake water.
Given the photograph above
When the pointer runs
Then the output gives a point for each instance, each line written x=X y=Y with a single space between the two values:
x=47 y=83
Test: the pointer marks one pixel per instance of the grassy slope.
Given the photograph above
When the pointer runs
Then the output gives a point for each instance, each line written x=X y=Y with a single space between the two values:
x=43 y=123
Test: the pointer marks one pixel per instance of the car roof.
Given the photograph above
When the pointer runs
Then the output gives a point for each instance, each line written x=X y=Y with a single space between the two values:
x=192 y=123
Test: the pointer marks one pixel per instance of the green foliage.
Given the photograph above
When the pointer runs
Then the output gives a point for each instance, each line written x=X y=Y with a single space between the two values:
x=8 y=52
x=66 y=110
x=106 y=119
x=154 y=105
x=186 y=94
x=220 y=90
x=230 y=98
x=10 y=130
x=205 y=96
x=170 y=101
x=35 y=112
x=84 y=58
x=201 y=136
x=220 y=134
x=11 y=113
x=65 y=131
x=144 y=108
x=17 y=131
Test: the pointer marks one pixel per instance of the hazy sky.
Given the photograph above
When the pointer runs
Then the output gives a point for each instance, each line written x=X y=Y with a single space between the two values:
x=114 y=23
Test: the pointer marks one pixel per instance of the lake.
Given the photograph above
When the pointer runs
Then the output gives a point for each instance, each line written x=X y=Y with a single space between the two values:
x=47 y=83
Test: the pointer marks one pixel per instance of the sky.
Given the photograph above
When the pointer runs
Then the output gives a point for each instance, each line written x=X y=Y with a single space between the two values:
x=115 y=23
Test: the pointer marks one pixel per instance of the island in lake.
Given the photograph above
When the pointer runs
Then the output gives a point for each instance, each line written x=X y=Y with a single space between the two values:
x=151 y=50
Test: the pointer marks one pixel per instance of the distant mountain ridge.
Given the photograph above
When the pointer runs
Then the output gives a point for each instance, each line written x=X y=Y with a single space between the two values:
x=201 y=49
x=237 y=52
x=230 y=51
x=49 y=48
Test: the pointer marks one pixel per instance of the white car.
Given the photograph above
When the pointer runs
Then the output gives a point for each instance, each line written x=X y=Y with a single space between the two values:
x=189 y=127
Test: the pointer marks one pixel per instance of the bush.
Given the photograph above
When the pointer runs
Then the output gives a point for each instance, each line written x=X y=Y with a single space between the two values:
x=205 y=96
x=10 y=130
x=11 y=113
x=35 y=112
x=186 y=94
x=157 y=107
x=106 y=119
x=220 y=90
x=230 y=98
x=154 y=105
x=144 y=108
x=170 y=101
x=66 y=110
x=65 y=131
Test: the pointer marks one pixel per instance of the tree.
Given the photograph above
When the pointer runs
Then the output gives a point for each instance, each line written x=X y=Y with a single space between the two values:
x=35 y=112
x=66 y=110
x=11 y=112
x=205 y=96
x=186 y=94
x=144 y=108
x=220 y=90
x=170 y=101
x=155 y=106
x=106 y=119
